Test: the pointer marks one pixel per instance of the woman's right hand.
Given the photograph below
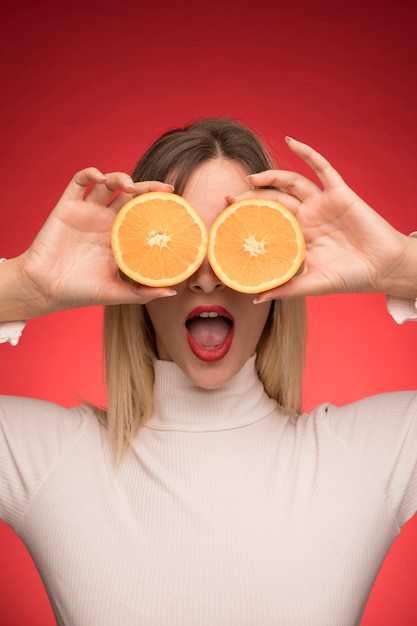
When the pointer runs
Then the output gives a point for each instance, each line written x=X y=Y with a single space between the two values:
x=70 y=262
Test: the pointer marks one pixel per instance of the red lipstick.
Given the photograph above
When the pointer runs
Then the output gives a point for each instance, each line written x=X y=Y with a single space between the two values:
x=223 y=331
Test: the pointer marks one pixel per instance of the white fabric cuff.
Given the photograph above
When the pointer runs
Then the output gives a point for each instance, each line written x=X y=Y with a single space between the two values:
x=11 y=331
x=402 y=309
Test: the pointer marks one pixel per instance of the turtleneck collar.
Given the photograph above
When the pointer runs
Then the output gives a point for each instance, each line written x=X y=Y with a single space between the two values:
x=180 y=405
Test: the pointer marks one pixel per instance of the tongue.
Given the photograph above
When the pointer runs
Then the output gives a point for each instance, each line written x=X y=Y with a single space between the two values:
x=209 y=332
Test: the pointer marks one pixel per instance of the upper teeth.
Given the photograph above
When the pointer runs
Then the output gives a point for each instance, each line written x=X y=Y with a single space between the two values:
x=209 y=314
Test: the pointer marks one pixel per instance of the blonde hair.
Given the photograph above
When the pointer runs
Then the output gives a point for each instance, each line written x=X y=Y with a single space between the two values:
x=129 y=341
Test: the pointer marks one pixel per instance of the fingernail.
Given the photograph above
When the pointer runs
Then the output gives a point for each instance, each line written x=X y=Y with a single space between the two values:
x=288 y=138
x=260 y=300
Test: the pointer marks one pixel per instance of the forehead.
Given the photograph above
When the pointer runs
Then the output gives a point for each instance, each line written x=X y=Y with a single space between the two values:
x=208 y=185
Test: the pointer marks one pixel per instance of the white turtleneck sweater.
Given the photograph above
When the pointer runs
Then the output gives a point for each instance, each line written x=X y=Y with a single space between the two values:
x=224 y=512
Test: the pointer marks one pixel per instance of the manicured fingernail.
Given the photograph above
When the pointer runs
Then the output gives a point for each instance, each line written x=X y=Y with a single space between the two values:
x=260 y=300
x=166 y=294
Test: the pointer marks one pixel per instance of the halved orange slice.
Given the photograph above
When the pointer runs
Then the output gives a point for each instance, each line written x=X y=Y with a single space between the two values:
x=158 y=239
x=255 y=244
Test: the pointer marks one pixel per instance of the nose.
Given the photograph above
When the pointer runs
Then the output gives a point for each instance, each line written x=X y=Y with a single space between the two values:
x=204 y=280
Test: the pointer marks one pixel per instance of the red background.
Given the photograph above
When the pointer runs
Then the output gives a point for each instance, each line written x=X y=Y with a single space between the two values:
x=95 y=83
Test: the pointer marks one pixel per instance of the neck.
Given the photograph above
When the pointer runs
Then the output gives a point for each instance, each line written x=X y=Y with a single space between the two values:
x=181 y=405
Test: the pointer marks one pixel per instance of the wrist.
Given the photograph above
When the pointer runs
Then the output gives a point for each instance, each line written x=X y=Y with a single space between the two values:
x=19 y=300
x=401 y=281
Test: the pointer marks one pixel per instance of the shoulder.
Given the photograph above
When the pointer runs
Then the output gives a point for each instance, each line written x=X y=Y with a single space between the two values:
x=378 y=434
x=29 y=414
x=31 y=428
x=35 y=436
x=38 y=433
x=387 y=414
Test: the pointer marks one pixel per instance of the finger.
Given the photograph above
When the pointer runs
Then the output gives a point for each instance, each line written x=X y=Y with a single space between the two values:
x=121 y=292
x=140 y=188
x=152 y=185
x=304 y=284
x=290 y=202
x=115 y=181
x=318 y=163
x=77 y=187
x=292 y=182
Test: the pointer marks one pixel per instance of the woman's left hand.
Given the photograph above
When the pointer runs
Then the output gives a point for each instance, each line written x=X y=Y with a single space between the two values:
x=349 y=246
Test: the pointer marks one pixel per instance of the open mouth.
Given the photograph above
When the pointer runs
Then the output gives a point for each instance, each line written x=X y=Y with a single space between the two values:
x=209 y=332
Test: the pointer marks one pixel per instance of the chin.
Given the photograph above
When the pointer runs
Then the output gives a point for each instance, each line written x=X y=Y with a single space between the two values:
x=212 y=375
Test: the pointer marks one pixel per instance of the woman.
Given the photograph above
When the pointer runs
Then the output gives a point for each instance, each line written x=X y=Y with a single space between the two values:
x=226 y=504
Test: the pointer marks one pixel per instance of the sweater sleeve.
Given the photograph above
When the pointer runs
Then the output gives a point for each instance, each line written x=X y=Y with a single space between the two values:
x=381 y=434
x=402 y=309
x=11 y=332
x=34 y=436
